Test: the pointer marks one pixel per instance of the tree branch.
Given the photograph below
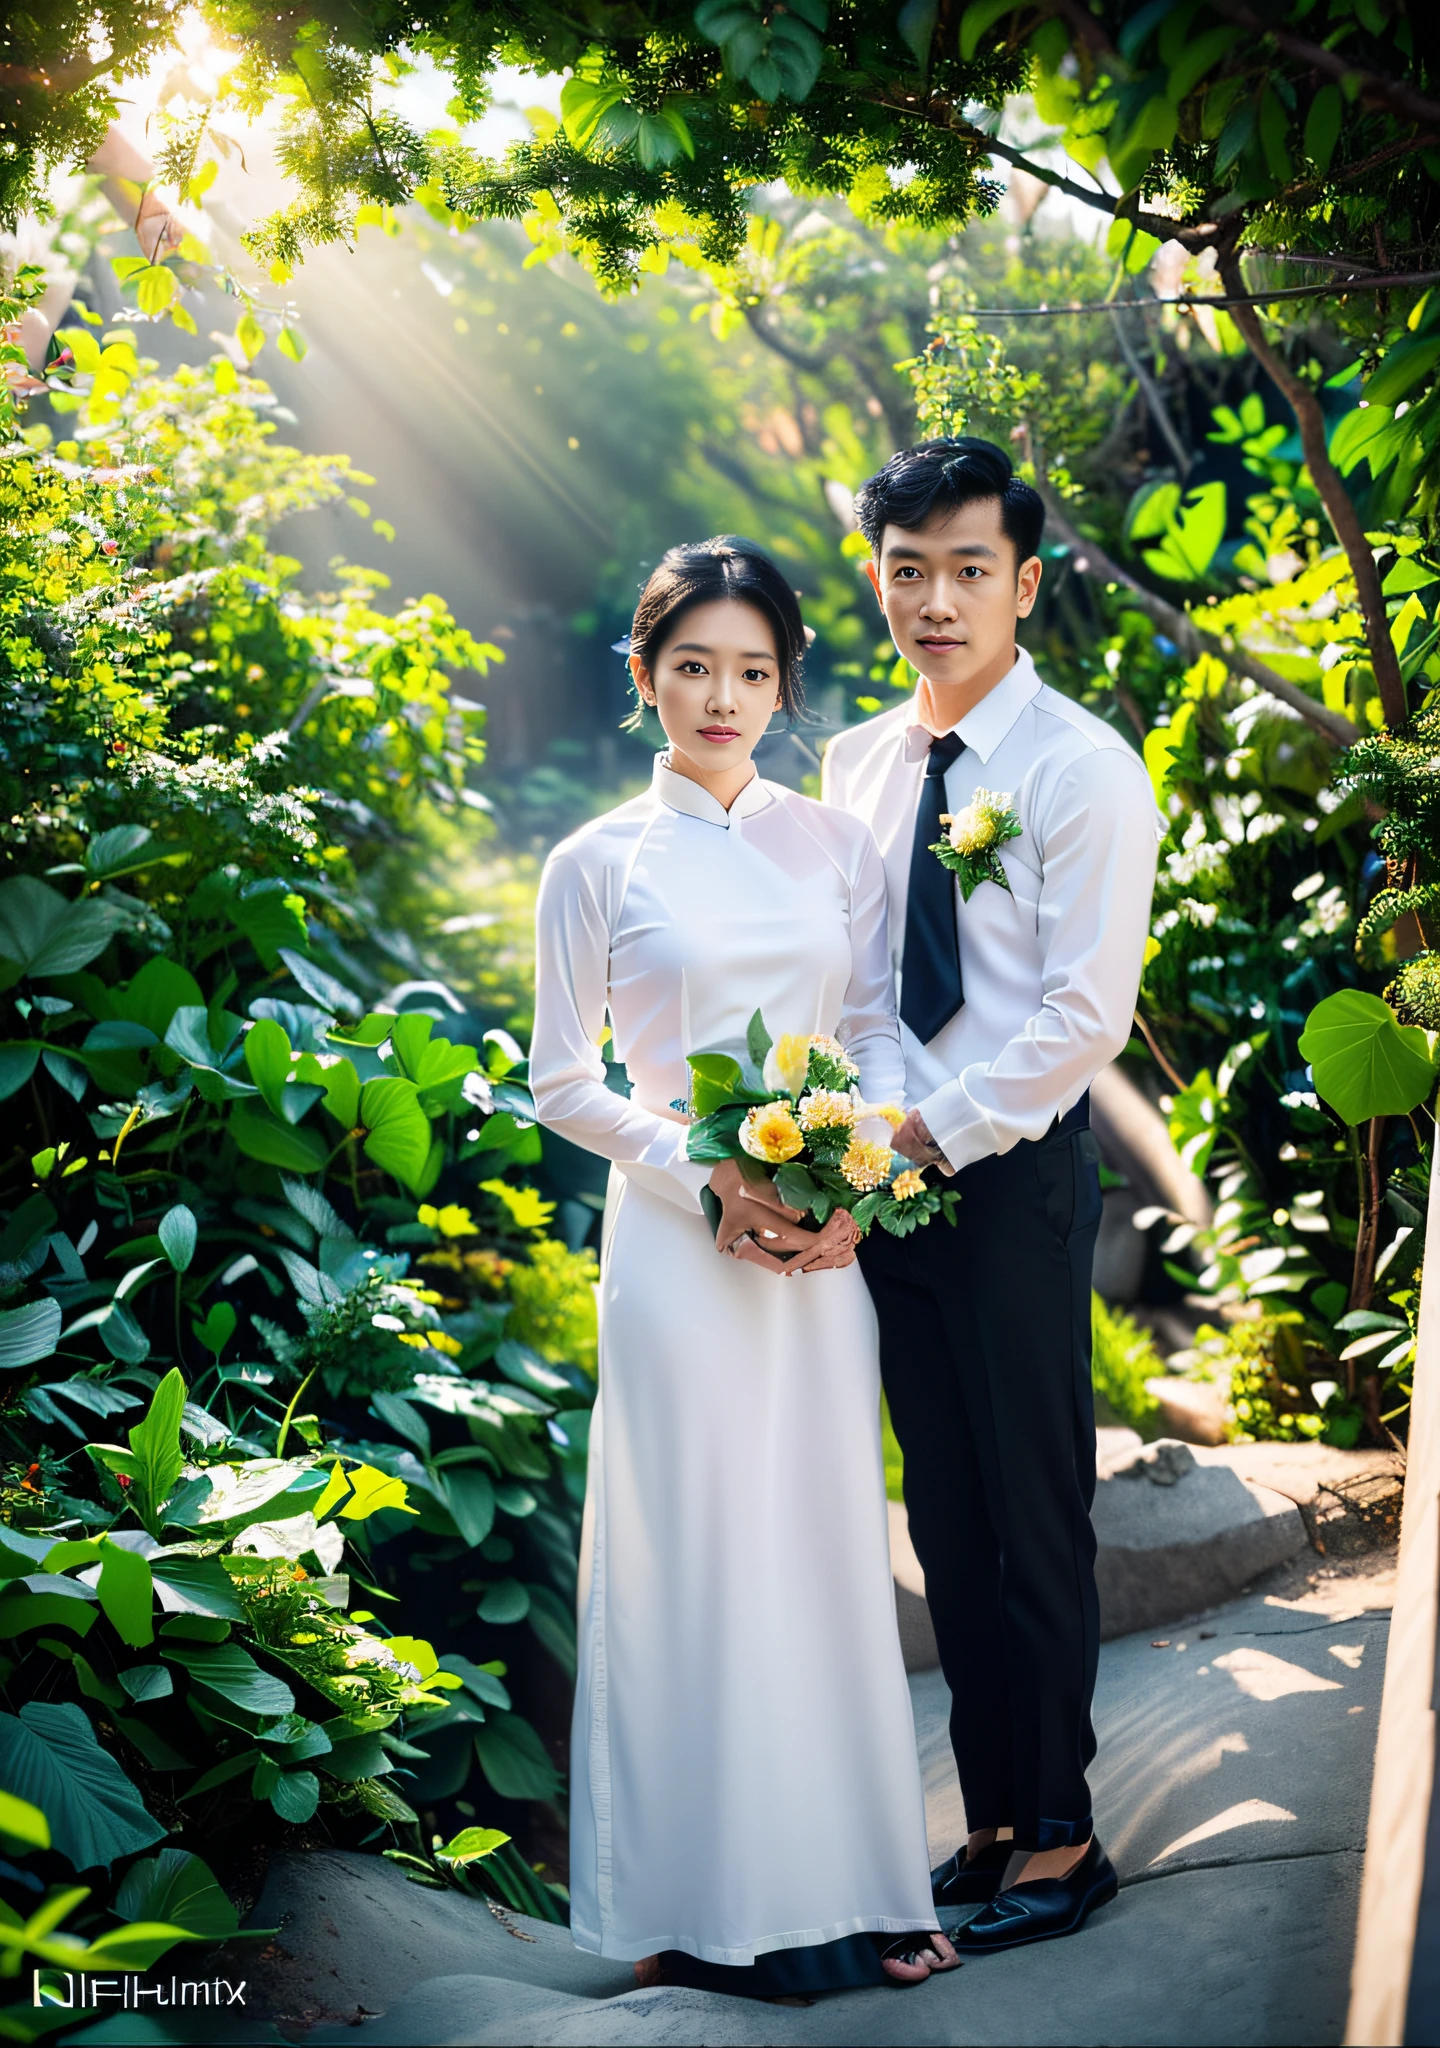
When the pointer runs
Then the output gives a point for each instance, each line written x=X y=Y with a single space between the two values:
x=1151 y=392
x=798 y=358
x=1337 y=501
x=1332 y=725
x=1374 y=85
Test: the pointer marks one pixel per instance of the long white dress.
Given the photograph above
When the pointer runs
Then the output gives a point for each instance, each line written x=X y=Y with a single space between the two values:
x=744 y=1774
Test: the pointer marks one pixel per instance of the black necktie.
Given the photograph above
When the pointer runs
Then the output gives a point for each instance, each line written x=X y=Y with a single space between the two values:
x=930 y=990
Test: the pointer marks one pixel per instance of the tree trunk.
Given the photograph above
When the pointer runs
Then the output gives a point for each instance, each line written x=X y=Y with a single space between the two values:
x=1367 y=1237
x=1190 y=637
x=1331 y=486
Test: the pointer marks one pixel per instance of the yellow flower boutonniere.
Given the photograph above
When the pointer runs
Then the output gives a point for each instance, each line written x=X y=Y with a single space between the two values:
x=973 y=838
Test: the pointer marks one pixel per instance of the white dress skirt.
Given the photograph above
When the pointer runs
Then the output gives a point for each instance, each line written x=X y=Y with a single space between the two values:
x=743 y=1766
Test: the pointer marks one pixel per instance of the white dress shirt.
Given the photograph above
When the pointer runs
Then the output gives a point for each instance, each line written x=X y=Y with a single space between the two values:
x=1051 y=966
x=679 y=919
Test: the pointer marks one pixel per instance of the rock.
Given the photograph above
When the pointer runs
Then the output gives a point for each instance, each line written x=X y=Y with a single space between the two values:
x=1162 y=1463
x=356 y=1934
x=1193 y=1410
x=1115 y=1446
x=1177 y=1535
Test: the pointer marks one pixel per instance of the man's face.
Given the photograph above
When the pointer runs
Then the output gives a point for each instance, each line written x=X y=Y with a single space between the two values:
x=951 y=594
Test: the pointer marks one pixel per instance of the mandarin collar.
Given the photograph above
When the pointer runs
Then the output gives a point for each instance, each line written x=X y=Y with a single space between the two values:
x=987 y=723
x=682 y=793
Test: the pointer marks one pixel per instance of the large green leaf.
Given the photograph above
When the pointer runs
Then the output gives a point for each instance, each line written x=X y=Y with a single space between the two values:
x=513 y=1758
x=45 y=1600
x=294 y=1149
x=272 y=917
x=180 y=1888
x=49 y=1756
x=17 y=1063
x=44 y=933
x=189 y=1034
x=28 y=1334
x=126 y=1593
x=397 y=1129
x=22 y=1826
x=201 y=1585
x=154 y=995
x=231 y=1673
x=155 y=1440
x=269 y=1056
x=506 y=1601
x=1365 y=1063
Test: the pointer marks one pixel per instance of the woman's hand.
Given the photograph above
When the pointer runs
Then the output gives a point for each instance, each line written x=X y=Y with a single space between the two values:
x=755 y=1225
x=760 y=1229
x=831 y=1246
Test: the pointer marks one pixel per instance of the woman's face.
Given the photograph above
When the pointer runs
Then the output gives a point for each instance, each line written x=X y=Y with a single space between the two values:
x=715 y=684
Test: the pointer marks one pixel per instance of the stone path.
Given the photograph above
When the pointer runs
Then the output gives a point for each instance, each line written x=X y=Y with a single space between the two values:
x=1231 y=1789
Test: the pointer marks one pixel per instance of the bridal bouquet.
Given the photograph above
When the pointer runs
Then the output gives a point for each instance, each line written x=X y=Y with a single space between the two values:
x=792 y=1114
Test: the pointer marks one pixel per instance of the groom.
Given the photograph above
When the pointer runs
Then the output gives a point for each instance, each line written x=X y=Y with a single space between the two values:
x=1010 y=1003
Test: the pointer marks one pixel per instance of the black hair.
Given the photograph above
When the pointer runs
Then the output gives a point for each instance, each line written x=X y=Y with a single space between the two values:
x=936 y=477
x=705 y=571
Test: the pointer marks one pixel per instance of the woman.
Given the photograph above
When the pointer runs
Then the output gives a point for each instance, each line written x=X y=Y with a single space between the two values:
x=746 y=1811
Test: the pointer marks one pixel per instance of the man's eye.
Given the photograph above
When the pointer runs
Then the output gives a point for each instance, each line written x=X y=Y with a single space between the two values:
x=906 y=574
x=972 y=569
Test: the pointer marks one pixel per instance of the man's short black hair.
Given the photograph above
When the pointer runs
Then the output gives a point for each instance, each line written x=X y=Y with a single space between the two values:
x=934 y=478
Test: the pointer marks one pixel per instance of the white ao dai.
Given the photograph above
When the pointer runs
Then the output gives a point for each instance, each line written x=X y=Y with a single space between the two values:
x=744 y=1776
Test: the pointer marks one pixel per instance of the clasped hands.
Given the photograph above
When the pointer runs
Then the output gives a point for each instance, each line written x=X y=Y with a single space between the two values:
x=760 y=1229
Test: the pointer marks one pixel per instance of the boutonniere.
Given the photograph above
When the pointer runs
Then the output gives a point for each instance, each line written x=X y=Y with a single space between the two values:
x=973 y=838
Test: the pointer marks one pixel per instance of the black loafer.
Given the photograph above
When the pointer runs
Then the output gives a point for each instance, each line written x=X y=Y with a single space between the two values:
x=1040 y=1911
x=970 y=1880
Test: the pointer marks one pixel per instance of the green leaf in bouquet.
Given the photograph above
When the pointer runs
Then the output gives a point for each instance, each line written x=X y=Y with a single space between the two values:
x=716 y=1081
x=716 y=1136
x=795 y=1185
x=758 y=1040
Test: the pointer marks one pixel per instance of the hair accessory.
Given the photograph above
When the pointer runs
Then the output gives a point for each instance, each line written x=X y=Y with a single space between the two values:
x=621 y=646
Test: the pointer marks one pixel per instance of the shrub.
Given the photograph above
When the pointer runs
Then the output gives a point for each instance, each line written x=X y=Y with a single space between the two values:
x=244 y=1395
x=1123 y=1357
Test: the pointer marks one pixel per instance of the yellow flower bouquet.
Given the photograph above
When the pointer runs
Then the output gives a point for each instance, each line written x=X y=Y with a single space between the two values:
x=791 y=1113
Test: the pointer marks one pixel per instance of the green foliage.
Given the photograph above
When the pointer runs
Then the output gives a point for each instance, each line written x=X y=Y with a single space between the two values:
x=1123 y=1357
x=1363 y=1062
x=231 y=1083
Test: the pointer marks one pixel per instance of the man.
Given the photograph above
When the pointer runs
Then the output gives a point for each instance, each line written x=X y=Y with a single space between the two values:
x=1017 y=984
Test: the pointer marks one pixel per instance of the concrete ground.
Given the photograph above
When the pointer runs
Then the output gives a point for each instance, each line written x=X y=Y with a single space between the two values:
x=1231 y=1789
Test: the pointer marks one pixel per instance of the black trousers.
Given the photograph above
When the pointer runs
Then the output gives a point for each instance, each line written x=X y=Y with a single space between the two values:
x=985 y=1355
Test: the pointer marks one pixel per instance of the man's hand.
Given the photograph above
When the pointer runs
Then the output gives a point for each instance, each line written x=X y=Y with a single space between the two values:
x=755 y=1224
x=914 y=1142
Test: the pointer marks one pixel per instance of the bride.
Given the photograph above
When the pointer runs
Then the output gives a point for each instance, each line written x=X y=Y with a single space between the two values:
x=746 y=1809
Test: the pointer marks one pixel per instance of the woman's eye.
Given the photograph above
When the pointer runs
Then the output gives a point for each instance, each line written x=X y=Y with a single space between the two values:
x=692 y=668
x=757 y=675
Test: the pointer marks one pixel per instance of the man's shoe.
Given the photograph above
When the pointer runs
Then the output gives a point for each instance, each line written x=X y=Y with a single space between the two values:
x=1040 y=1911
x=970 y=1880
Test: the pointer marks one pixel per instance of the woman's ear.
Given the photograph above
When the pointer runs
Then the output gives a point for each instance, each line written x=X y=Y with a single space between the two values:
x=640 y=677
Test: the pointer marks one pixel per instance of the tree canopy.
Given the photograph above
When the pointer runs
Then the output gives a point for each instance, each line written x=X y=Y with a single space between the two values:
x=1311 y=128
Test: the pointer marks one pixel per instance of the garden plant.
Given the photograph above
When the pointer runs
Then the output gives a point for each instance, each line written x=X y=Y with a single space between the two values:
x=296 y=1310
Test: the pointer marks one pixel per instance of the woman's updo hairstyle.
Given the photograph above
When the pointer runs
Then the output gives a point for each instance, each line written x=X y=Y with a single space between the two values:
x=705 y=571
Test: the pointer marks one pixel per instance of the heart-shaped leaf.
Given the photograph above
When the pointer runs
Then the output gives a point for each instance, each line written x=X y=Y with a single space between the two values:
x=1365 y=1063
